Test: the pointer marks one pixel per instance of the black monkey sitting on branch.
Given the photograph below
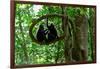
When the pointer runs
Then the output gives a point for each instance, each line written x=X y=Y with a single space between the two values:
x=41 y=34
x=52 y=34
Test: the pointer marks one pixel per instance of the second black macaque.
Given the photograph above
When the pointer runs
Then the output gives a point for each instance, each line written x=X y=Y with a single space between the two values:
x=41 y=34
x=52 y=34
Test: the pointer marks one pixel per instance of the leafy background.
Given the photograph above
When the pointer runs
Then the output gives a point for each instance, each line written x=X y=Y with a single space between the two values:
x=28 y=52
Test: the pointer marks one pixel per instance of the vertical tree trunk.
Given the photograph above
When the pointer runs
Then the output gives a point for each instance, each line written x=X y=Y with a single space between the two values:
x=66 y=32
x=92 y=33
x=80 y=50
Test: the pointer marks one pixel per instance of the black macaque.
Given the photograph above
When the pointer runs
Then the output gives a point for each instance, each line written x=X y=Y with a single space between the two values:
x=41 y=34
x=52 y=34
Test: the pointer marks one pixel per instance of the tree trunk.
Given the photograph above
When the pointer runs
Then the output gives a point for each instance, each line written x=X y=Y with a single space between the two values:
x=92 y=33
x=80 y=49
x=67 y=53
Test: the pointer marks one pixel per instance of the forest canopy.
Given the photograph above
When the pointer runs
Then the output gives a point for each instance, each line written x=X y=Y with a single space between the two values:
x=77 y=24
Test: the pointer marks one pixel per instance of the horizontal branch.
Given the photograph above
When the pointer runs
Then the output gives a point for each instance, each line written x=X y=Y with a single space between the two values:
x=47 y=43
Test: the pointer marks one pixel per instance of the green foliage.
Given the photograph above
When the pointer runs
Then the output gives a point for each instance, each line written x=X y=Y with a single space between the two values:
x=28 y=52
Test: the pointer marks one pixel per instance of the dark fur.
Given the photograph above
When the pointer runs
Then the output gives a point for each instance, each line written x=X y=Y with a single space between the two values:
x=41 y=34
x=52 y=33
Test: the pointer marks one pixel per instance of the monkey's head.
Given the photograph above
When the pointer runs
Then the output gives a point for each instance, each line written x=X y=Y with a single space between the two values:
x=41 y=27
x=51 y=26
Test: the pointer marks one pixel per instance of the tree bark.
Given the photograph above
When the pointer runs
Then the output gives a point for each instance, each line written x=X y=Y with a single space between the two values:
x=92 y=33
x=80 y=49
x=65 y=28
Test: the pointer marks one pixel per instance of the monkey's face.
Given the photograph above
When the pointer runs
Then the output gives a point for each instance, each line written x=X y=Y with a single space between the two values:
x=41 y=27
x=51 y=26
